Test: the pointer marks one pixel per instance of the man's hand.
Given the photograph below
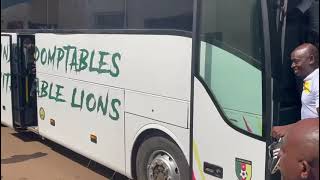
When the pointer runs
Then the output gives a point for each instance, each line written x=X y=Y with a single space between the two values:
x=280 y=131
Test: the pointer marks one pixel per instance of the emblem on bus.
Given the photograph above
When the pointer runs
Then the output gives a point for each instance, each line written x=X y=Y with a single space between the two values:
x=42 y=113
x=243 y=169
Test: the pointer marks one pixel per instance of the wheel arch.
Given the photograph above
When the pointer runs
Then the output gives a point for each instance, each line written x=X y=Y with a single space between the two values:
x=152 y=130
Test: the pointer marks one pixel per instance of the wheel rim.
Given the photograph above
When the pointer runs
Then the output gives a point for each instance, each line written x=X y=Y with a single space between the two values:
x=162 y=166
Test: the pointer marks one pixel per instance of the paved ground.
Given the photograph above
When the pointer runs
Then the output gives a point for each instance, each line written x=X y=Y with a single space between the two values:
x=24 y=156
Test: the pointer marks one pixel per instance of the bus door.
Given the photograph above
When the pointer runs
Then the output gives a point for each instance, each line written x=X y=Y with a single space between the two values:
x=299 y=25
x=24 y=101
x=233 y=93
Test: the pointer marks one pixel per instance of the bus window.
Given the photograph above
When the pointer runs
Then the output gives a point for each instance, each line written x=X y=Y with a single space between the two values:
x=23 y=14
x=160 y=14
x=86 y=14
x=231 y=54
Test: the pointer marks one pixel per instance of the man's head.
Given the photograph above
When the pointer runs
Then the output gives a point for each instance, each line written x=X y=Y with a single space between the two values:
x=299 y=154
x=305 y=59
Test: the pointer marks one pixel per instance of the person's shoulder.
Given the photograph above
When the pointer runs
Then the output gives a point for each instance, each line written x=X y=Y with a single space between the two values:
x=315 y=81
x=316 y=75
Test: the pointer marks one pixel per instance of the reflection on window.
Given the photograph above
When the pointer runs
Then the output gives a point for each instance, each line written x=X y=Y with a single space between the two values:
x=23 y=14
x=105 y=20
x=230 y=59
x=62 y=14
x=97 y=14
x=86 y=14
x=160 y=14
x=233 y=24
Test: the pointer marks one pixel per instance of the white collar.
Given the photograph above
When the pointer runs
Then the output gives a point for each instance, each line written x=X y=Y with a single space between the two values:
x=309 y=77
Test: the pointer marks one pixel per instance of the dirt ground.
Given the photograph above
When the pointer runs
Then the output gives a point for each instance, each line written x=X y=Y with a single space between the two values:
x=25 y=156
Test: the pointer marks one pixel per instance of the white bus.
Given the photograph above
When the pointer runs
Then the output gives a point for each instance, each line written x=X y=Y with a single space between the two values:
x=153 y=89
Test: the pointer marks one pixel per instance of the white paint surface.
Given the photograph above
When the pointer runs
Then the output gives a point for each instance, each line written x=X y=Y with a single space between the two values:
x=155 y=73
x=6 y=102
x=219 y=144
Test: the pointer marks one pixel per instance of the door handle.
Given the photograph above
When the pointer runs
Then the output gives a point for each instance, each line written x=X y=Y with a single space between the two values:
x=213 y=170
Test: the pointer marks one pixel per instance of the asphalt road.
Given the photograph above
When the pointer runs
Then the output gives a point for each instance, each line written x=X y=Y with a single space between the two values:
x=25 y=156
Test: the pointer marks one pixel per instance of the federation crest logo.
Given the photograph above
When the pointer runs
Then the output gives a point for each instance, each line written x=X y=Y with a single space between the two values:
x=243 y=169
x=42 y=113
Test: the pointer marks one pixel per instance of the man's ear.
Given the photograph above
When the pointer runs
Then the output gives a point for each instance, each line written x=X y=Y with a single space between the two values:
x=312 y=60
x=305 y=169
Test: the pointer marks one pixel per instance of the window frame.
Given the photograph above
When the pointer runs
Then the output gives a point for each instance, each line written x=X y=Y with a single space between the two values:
x=267 y=85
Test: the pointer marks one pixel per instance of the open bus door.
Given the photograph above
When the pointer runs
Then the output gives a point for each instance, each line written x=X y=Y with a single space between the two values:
x=236 y=94
x=296 y=25
x=292 y=23
x=24 y=100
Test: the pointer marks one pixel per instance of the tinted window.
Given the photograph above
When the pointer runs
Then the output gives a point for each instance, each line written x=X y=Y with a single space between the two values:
x=23 y=14
x=234 y=25
x=97 y=14
x=160 y=14
x=86 y=14
x=230 y=59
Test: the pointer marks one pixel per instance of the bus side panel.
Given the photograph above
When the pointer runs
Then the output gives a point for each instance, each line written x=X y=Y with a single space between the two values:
x=85 y=117
x=154 y=64
x=6 y=102
x=216 y=143
x=158 y=108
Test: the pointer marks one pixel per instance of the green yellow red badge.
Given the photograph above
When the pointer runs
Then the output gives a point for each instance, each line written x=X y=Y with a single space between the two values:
x=243 y=169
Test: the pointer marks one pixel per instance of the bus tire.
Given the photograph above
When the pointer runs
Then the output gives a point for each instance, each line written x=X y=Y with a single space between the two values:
x=159 y=157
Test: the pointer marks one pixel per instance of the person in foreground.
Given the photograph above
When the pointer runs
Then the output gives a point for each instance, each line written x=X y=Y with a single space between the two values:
x=299 y=152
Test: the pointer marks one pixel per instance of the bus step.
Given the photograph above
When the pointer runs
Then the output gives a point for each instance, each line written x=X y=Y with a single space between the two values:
x=34 y=129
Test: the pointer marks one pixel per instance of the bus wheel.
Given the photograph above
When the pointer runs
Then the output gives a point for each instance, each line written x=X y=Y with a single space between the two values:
x=160 y=158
